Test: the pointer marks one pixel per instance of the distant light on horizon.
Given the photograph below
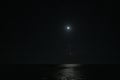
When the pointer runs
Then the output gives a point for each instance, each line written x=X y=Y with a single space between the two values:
x=71 y=65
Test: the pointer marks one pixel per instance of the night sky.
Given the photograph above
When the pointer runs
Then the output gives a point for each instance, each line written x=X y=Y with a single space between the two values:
x=40 y=35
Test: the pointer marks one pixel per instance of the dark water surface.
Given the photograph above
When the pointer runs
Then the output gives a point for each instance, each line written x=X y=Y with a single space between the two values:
x=58 y=72
x=71 y=72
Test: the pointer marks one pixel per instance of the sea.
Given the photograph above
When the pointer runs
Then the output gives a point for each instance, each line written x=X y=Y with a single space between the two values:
x=69 y=72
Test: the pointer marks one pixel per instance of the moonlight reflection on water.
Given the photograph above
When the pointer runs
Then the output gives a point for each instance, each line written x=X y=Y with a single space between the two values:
x=69 y=72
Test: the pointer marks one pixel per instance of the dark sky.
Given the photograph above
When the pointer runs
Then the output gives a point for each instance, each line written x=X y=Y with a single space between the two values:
x=41 y=38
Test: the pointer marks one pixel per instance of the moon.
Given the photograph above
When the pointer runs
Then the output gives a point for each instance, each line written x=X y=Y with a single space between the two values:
x=68 y=28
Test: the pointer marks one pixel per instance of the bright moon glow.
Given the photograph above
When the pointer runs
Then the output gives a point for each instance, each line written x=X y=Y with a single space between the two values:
x=68 y=28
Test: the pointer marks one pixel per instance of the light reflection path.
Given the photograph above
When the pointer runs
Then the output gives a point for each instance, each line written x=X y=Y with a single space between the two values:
x=70 y=65
x=69 y=72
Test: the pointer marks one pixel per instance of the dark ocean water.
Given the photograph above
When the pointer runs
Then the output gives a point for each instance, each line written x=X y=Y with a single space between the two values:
x=57 y=72
x=69 y=72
